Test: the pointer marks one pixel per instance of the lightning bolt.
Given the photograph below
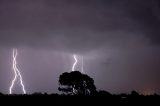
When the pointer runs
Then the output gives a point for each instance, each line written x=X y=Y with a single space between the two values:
x=82 y=65
x=16 y=72
x=75 y=58
x=73 y=68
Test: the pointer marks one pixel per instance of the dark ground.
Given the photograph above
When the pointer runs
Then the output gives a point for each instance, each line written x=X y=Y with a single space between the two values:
x=54 y=99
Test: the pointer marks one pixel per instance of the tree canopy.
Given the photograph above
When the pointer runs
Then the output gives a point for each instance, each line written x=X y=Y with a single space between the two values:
x=76 y=83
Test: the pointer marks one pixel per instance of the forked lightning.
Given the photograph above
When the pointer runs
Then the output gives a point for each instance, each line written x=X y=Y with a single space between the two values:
x=16 y=73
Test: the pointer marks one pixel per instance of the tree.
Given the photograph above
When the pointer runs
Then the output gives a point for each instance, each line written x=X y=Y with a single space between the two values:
x=134 y=93
x=76 y=83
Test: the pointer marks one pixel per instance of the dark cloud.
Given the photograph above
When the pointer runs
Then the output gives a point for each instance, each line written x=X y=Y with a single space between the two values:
x=46 y=23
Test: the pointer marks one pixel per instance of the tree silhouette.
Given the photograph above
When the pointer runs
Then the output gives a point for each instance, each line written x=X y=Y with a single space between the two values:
x=104 y=93
x=134 y=93
x=76 y=83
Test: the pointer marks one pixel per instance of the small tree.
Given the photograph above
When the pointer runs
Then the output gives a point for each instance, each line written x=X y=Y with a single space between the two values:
x=76 y=83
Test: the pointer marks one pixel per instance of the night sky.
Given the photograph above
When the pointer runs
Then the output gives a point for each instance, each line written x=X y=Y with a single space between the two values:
x=119 y=40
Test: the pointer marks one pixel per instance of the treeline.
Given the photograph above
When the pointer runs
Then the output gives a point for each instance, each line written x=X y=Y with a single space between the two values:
x=99 y=98
x=98 y=93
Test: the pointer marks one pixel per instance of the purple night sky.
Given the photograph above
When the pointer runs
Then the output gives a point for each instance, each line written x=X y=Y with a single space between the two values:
x=119 y=40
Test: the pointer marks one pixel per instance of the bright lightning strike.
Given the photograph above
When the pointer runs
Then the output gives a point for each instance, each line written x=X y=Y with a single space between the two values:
x=75 y=58
x=17 y=73
x=82 y=65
